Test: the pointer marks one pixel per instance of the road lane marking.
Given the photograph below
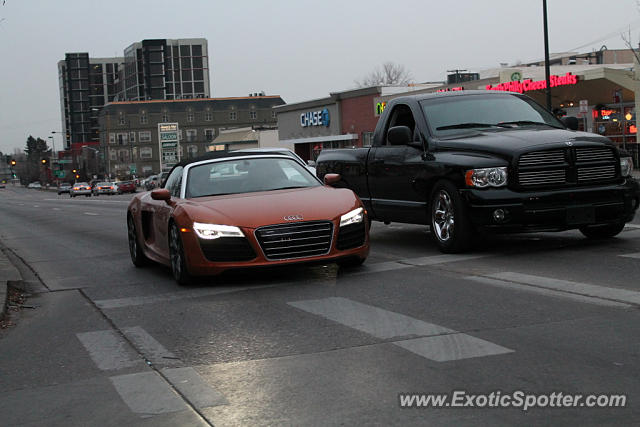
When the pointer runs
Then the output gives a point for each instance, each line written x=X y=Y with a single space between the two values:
x=636 y=255
x=153 y=351
x=152 y=299
x=146 y=393
x=89 y=200
x=91 y=213
x=194 y=388
x=108 y=350
x=414 y=262
x=57 y=209
x=614 y=294
x=546 y=292
x=403 y=329
x=443 y=348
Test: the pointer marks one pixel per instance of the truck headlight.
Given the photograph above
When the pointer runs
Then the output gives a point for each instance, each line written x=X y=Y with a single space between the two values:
x=353 y=217
x=214 y=231
x=485 y=177
x=626 y=166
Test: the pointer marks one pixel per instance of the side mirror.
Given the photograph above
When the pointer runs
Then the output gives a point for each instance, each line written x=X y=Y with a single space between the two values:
x=332 y=178
x=161 y=194
x=570 y=122
x=311 y=163
x=399 y=135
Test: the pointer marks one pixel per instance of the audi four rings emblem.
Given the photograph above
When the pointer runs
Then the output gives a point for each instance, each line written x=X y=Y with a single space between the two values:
x=293 y=218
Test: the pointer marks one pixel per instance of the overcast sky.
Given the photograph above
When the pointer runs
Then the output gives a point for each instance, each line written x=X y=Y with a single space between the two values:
x=297 y=49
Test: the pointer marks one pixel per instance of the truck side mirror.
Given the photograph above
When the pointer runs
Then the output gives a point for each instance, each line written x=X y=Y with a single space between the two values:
x=570 y=122
x=332 y=178
x=399 y=135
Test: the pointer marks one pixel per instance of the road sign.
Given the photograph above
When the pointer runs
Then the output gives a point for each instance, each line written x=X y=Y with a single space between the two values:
x=64 y=161
x=132 y=168
x=169 y=141
x=60 y=174
x=584 y=106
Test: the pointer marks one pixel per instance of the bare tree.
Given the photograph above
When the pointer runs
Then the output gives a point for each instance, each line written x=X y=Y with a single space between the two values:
x=627 y=39
x=388 y=74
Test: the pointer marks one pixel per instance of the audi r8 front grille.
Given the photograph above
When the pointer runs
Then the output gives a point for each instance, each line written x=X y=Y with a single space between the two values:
x=227 y=249
x=295 y=240
x=351 y=236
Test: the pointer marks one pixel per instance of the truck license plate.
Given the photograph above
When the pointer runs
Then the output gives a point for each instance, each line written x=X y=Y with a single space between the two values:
x=581 y=215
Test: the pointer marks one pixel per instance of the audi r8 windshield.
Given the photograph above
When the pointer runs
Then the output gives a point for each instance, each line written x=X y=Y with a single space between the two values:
x=247 y=176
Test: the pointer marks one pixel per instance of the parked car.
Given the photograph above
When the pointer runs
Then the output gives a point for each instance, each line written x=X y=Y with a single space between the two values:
x=35 y=185
x=108 y=188
x=285 y=215
x=64 y=187
x=472 y=161
x=125 y=187
x=80 y=189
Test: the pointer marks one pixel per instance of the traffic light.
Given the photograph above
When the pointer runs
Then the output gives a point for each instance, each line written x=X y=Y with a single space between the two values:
x=77 y=176
x=74 y=171
x=13 y=162
x=44 y=161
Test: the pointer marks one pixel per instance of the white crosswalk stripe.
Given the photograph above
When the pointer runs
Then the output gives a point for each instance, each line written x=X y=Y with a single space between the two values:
x=436 y=343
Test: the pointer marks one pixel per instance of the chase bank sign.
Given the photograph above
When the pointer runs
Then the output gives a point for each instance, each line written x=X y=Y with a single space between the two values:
x=315 y=118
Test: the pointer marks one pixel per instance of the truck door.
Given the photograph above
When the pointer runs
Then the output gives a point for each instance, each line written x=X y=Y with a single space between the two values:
x=394 y=171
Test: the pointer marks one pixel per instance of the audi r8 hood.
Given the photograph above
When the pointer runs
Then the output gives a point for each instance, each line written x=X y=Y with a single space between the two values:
x=254 y=210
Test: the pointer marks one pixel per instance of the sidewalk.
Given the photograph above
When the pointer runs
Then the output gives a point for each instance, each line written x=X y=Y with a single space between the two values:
x=8 y=273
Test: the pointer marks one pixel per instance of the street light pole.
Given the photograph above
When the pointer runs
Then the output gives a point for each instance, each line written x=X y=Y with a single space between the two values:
x=547 y=70
x=53 y=154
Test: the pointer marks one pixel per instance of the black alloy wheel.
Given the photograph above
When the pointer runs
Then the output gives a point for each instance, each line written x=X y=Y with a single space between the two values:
x=451 y=229
x=178 y=260
x=138 y=258
x=602 y=231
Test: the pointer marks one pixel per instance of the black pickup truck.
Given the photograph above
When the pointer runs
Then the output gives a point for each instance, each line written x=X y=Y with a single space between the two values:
x=472 y=161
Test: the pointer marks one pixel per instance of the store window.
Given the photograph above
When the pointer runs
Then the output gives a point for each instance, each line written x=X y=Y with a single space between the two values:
x=146 y=153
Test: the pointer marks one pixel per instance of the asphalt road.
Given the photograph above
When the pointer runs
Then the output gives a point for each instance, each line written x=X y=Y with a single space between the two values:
x=109 y=344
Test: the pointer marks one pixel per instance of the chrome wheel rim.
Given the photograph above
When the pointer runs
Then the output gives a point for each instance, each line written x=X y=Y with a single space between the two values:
x=176 y=253
x=443 y=217
x=133 y=241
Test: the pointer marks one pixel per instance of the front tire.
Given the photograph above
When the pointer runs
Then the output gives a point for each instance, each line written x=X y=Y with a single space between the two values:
x=178 y=260
x=602 y=231
x=451 y=229
x=138 y=258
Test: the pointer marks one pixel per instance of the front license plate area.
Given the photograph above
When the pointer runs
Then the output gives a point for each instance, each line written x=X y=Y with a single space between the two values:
x=581 y=215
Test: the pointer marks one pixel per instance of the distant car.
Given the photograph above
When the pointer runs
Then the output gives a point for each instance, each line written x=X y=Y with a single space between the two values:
x=80 y=189
x=109 y=188
x=35 y=185
x=3 y=184
x=125 y=187
x=151 y=182
x=237 y=210
x=64 y=187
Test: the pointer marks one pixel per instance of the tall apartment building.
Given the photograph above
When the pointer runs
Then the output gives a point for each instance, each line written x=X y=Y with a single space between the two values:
x=162 y=69
x=166 y=69
x=86 y=84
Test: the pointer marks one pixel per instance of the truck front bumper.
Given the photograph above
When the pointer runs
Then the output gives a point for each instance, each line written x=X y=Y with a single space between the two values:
x=505 y=210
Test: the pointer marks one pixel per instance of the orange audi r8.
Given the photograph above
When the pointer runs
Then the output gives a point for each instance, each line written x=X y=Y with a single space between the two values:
x=236 y=210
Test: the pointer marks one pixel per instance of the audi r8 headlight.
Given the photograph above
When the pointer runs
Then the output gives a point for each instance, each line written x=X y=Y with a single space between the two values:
x=626 y=166
x=486 y=177
x=214 y=231
x=353 y=217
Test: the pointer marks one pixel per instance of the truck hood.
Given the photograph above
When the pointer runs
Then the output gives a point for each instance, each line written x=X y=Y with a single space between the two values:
x=252 y=210
x=509 y=142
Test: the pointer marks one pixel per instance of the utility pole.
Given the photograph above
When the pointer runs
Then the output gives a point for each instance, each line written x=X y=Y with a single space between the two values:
x=547 y=70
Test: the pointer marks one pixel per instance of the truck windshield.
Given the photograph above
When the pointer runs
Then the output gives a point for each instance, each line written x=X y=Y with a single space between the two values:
x=450 y=115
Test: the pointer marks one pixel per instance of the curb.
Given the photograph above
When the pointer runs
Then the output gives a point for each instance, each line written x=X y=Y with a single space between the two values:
x=8 y=274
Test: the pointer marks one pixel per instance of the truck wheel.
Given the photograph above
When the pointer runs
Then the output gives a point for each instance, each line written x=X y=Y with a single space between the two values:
x=602 y=231
x=450 y=226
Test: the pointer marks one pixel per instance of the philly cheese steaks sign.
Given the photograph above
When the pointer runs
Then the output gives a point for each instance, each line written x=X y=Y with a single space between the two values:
x=169 y=145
